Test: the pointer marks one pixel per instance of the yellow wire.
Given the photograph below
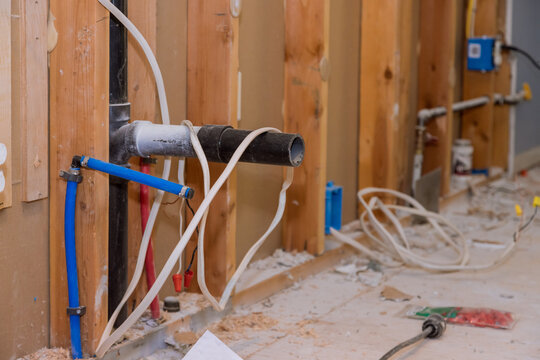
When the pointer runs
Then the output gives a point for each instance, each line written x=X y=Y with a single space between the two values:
x=471 y=9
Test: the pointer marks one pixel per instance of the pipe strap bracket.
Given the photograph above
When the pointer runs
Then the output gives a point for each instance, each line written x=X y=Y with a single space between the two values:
x=70 y=176
x=79 y=310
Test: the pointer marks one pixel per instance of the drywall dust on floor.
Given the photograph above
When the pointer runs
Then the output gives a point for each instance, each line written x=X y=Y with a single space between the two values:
x=49 y=354
x=355 y=311
x=337 y=314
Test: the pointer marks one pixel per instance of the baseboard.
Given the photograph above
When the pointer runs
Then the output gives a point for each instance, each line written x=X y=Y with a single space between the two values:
x=527 y=159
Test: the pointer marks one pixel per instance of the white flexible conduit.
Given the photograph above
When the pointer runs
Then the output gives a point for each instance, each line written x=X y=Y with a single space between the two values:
x=398 y=247
x=201 y=214
x=181 y=180
x=108 y=339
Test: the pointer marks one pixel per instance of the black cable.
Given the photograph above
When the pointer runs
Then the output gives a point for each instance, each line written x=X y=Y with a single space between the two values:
x=197 y=228
x=530 y=219
x=524 y=53
x=433 y=327
x=524 y=226
x=424 y=334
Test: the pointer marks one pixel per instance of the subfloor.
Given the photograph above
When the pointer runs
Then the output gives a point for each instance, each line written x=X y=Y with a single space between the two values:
x=340 y=314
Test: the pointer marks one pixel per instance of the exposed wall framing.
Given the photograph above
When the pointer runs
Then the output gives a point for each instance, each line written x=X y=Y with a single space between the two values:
x=436 y=73
x=306 y=112
x=477 y=124
x=501 y=114
x=34 y=109
x=79 y=109
x=142 y=96
x=212 y=81
x=387 y=93
x=5 y=101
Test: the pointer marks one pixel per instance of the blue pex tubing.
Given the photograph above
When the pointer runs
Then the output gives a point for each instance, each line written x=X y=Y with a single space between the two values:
x=71 y=266
x=139 y=177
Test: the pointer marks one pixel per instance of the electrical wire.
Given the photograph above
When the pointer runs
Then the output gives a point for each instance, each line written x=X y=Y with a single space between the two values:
x=181 y=180
x=197 y=228
x=529 y=57
x=199 y=218
x=165 y=119
x=527 y=223
x=220 y=304
x=397 y=248
x=433 y=327
x=424 y=334
x=471 y=15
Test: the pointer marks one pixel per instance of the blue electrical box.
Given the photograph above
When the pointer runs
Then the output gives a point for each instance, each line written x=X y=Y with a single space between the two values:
x=480 y=54
x=333 y=199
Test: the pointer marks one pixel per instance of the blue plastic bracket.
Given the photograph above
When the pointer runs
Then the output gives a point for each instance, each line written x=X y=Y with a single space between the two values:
x=333 y=199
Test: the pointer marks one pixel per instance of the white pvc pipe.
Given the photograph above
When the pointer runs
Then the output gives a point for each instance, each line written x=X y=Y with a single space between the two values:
x=426 y=114
x=469 y=104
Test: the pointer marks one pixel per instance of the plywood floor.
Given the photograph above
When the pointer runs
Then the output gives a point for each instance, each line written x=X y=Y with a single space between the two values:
x=341 y=315
x=336 y=316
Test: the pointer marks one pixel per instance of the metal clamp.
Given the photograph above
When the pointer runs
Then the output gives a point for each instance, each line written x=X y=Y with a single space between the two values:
x=149 y=160
x=187 y=192
x=72 y=175
x=80 y=311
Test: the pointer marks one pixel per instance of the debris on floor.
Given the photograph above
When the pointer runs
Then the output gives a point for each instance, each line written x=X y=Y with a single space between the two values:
x=263 y=269
x=164 y=354
x=234 y=327
x=361 y=270
x=210 y=347
x=281 y=259
x=48 y=354
x=186 y=337
x=392 y=294
x=478 y=317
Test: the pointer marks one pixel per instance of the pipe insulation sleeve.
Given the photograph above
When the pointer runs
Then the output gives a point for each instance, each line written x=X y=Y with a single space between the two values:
x=141 y=178
x=71 y=267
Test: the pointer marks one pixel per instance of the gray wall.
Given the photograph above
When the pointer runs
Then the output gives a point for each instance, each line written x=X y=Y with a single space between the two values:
x=526 y=35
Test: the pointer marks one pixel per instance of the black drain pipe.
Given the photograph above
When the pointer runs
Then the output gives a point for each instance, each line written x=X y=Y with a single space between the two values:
x=119 y=115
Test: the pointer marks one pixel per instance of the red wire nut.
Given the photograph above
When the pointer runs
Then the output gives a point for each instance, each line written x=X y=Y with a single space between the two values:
x=188 y=276
x=177 y=280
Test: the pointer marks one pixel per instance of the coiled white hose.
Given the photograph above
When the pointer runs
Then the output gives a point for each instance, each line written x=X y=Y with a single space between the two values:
x=399 y=248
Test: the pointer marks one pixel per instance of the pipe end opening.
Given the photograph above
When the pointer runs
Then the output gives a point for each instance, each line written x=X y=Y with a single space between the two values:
x=296 y=151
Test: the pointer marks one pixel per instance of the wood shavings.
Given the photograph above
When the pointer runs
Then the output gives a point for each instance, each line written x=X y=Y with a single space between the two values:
x=303 y=329
x=232 y=328
x=393 y=294
x=186 y=337
x=48 y=354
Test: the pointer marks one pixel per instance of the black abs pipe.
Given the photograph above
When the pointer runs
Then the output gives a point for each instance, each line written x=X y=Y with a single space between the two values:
x=119 y=115
x=142 y=138
x=220 y=142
